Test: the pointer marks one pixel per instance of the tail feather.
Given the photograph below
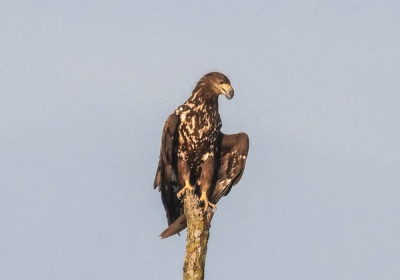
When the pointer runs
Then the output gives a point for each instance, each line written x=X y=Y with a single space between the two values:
x=175 y=227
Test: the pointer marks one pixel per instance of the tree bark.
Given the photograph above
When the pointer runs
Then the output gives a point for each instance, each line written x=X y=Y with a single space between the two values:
x=197 y=238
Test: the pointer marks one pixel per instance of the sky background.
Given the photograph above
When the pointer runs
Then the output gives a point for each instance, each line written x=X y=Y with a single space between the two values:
x=85 y=89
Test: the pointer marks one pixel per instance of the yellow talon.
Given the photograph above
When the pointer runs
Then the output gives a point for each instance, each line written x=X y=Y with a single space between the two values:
x=207 y=203
x=187 y=187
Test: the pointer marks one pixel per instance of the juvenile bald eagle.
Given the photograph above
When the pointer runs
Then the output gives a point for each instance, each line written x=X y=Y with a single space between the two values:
x=196 y=155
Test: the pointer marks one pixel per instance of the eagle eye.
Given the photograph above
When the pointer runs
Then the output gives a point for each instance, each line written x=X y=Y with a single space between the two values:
x=221 y=82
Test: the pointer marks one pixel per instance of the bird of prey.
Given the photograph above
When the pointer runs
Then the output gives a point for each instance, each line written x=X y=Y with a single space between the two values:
x=195 y=155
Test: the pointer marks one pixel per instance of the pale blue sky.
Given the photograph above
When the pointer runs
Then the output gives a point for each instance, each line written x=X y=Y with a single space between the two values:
x=85 y=88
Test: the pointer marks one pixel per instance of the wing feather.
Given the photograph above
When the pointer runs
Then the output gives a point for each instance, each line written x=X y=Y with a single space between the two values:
x=165 y=179
x=232 y=161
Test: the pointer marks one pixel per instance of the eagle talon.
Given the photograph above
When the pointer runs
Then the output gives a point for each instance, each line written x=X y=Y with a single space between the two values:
x=187 y=187
x=207 y=204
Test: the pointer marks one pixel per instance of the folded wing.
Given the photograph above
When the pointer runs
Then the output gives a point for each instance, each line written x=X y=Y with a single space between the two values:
x=166 y=176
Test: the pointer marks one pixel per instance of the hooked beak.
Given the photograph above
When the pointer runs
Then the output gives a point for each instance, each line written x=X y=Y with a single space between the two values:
x=227 y=91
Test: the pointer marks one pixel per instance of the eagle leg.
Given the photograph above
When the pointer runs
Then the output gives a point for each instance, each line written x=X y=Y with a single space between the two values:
x=184 y=178
x=187 y=187
x=206 y=176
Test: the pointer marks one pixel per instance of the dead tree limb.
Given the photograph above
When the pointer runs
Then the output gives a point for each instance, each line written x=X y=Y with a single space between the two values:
x=197 y=238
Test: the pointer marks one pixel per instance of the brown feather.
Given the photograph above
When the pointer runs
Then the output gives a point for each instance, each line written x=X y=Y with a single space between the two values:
x=166 y=167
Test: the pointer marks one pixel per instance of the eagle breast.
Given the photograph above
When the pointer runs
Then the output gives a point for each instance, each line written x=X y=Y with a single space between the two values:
x=198 y=132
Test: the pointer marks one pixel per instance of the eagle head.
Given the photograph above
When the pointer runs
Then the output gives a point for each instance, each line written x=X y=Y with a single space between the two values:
x=217 y=83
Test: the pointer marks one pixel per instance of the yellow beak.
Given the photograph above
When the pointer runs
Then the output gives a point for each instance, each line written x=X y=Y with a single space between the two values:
x=227 y=90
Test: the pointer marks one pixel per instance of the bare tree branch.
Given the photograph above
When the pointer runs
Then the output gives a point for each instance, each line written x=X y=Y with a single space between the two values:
x=197 y=238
